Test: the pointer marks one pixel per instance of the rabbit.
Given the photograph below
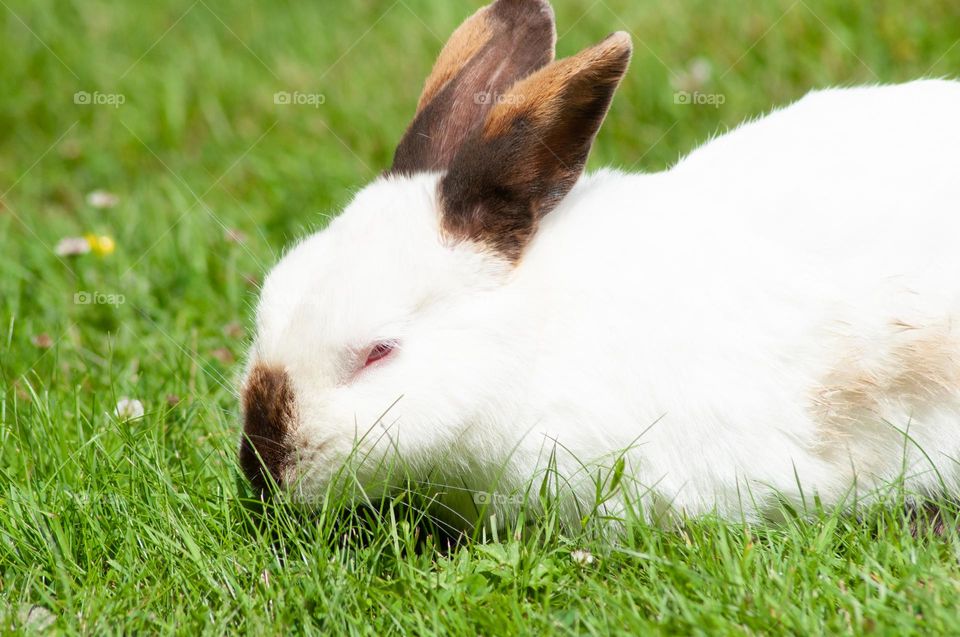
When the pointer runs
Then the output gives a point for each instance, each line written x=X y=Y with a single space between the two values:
x=774 y=318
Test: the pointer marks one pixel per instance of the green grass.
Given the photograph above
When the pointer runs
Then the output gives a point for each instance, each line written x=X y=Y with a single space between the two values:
x=141 y=526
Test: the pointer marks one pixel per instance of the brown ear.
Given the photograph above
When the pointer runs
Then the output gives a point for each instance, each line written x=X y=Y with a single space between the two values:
x=500 y=44
x=531 y=149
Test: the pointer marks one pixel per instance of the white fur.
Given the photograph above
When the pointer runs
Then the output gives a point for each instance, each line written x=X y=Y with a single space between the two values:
x=707 y=318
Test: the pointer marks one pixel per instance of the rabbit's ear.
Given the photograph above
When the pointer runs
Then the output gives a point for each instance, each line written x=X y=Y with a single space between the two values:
x=500 y=44
x=531 y=149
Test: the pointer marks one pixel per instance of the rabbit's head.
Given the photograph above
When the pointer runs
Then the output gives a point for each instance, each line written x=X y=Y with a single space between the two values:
x=392 y=333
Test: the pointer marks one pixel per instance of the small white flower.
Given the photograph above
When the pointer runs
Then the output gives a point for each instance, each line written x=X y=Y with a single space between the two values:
x=35 y=618
x=695 y=77
x=582 y=557
x=129 y=409
x=102 y=199
x=72 y=246
x=700 y=71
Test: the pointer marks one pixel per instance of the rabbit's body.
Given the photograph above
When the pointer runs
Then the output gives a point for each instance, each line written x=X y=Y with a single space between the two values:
x=775 y=315
x=783 y=304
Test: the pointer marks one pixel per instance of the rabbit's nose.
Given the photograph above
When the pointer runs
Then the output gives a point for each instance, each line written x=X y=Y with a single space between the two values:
x=269 y=409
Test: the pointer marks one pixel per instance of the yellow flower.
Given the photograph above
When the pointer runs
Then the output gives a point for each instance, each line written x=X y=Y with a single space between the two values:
x=101 y=245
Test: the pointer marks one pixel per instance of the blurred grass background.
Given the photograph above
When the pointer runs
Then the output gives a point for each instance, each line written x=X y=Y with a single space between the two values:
x=214 y=179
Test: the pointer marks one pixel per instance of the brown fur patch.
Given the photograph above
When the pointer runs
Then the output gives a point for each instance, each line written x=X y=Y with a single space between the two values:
x=464 y=43
x=531 y=149
x=491 y=50
x=269 y=411
x=913 y=369
x=580 y=81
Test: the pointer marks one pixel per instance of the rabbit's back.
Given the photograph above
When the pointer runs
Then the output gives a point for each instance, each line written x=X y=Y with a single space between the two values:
x=847 y=173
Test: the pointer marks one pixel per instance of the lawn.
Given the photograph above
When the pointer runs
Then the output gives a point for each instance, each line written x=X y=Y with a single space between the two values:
x=156 y=124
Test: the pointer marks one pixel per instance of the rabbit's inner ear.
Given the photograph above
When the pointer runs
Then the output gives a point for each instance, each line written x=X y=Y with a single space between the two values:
x=498 y=45
x=531 y=149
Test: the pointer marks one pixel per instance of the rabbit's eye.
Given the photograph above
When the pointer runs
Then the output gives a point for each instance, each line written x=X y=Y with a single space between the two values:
x=379 y=352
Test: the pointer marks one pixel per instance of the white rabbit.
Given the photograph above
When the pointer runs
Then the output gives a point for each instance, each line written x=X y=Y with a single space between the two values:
x=777 y=316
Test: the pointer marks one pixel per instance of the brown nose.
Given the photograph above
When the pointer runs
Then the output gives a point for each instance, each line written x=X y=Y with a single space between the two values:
x=268 y=413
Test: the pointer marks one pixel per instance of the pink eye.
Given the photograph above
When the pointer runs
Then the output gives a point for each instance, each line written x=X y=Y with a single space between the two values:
x=379 y=352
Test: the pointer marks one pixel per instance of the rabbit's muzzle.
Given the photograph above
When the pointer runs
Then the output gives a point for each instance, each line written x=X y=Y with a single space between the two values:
x=269 y=411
